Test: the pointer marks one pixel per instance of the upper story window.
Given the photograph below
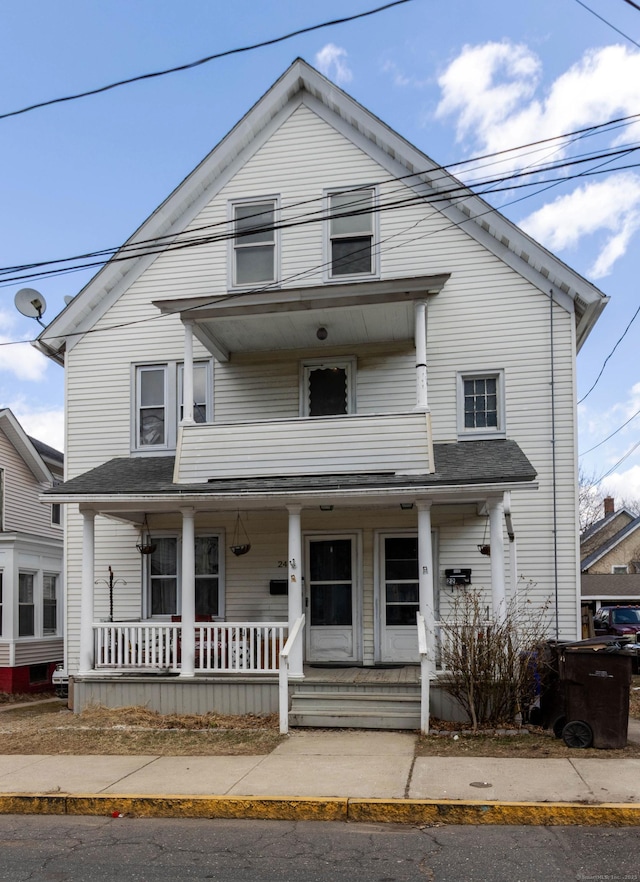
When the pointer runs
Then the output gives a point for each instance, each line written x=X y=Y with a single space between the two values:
x=327 y=387
x=352 y=227
x=254 y=250
x=159 y=403
x=481 y=405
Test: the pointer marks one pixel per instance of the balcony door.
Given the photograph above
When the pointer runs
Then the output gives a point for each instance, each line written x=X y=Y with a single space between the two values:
x=332 y=599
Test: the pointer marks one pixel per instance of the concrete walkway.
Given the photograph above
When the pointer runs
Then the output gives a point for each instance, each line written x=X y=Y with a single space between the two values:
x=332 y=774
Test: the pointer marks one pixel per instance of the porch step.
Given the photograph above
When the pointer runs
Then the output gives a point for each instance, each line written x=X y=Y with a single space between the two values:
x=355 y=709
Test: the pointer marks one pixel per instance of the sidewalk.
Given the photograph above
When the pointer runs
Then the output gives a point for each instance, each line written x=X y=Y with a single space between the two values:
x=334 y=775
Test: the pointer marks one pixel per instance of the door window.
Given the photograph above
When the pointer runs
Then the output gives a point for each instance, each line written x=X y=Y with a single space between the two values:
x=401 y=588
x=331 y=582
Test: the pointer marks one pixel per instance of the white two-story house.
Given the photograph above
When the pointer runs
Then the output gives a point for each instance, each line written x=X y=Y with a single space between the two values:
x=31 y=555
x=304 y=400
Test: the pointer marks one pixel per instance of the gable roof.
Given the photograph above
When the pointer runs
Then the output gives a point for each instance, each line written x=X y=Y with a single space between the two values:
x=33 y=452
x=303 y=84
x=605 y=522
x=611 y=543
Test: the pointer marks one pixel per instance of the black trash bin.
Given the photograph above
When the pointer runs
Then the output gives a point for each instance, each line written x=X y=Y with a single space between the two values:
x=595 y=687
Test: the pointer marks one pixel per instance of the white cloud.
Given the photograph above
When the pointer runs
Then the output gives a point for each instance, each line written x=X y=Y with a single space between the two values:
x=331 y=61
x=45 y=424
x=624 y=486
x=401 y=79
x=493 y=91
x=610 y=207
x=19 y=359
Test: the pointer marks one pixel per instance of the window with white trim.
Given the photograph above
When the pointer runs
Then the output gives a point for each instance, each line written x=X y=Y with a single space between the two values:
x=352 y=223
x=618 y=570
x=254 y=244
x=49 y=603
x=328 y=387
x=26 y=605
x=158 y=407
x=481 y=404
x=164 y=576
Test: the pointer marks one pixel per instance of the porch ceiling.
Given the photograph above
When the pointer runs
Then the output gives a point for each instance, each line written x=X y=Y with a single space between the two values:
x=284 y=319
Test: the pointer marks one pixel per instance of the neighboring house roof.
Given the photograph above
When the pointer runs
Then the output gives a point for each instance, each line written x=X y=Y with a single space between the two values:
x=32 y=452
x=474 y=462
x=611 y=543
x=302 y=84
x=604 y=522
x=626 y=585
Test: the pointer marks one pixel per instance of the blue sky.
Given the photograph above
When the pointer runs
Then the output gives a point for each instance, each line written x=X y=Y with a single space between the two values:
x=458 y=80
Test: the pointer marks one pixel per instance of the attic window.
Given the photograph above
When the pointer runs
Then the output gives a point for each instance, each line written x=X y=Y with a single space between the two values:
x=619 y=569
x=351 y=233
x=254 y=243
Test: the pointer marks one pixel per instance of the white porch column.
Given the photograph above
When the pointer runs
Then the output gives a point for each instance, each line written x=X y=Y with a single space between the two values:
x=187 y=374
x=498 y=591
x=86 y=596
x=295 y=587
x=188 y=605
x=420 y=331
x=425 y=567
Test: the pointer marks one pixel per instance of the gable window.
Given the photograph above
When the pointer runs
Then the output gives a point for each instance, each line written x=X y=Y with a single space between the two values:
x=164 y=576
x=158 y=395
x=49 y=603
x=481 y=404
x=351 y=233
x=26 y=608
x=327 y=387
x=254 y=242
x=619 y=569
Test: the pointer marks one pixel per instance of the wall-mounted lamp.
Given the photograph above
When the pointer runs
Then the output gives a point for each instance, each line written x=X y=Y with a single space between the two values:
x=326 y=508
x=406 y=506
x=322 y=333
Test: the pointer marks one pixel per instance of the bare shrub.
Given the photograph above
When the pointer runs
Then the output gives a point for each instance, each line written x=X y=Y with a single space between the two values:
x=491 y=661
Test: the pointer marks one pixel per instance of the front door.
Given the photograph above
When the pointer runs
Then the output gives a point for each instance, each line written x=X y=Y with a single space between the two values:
x=399 y=597
x=331 y=599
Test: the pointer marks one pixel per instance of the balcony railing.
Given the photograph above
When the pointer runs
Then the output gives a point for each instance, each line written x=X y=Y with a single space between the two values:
x=221 y=647
x=355 y=443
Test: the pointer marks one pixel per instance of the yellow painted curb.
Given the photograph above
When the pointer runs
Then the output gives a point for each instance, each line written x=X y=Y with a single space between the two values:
x=425 y=811
x=277 y=808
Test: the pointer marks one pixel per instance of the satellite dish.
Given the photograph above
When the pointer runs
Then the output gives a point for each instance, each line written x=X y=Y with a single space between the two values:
x=30 y=302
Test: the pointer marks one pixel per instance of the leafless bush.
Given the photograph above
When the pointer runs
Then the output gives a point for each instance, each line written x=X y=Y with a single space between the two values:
x=491 y=661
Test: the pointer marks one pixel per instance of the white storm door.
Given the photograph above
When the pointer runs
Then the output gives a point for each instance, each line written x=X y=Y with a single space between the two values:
x=331 y=599
x=399 y=598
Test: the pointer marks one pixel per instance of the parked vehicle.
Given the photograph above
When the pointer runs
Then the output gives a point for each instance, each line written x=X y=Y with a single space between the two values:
x=623 y=621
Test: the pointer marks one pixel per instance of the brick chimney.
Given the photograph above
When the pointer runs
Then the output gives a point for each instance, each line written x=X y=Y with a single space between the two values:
x=608 y=505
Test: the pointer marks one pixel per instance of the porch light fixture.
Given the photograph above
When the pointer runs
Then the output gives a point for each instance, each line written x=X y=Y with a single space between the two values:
x=326 y=508
x=240 y=542
x=406 y=506
x=322 y=333
x=146 y=544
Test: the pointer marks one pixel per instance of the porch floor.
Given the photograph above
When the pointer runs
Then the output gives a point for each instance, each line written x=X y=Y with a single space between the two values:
x=401 y=674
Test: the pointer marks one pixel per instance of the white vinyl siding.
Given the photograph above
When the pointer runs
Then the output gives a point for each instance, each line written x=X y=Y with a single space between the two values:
x=483 y=300
x=23 y=512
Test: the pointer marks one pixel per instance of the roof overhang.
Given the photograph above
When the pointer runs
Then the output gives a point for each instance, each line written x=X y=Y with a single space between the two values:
x=277 y=319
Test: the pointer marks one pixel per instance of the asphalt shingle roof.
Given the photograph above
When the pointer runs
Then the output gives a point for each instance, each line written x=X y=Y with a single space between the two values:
x=470 y=462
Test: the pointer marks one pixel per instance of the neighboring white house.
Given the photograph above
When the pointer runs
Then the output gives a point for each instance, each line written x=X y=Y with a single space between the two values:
x=300 y=399
x=31 y=551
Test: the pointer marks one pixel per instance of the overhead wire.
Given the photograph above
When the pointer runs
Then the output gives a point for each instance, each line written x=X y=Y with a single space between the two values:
x=608 y=23
x=190 y=65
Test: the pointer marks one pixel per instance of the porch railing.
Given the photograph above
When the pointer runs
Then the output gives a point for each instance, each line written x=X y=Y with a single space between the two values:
x=221 y=647
x=283 y=675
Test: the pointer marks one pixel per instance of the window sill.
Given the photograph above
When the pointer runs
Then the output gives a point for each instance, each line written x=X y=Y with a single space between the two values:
x=482 y=436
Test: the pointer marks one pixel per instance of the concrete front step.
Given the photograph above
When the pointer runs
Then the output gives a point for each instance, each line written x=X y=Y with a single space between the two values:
x=365 y=710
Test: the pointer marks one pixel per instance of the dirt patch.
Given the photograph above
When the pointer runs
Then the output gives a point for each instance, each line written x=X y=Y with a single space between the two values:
x=536 y=744
x=53 y=729
x=23 y=697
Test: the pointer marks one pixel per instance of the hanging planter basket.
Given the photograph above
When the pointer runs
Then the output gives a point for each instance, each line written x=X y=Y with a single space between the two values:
x=146 y=544
x=485 y=549
x=240 y=542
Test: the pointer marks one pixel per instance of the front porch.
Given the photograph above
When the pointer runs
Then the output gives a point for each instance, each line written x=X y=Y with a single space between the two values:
x=242 y=668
